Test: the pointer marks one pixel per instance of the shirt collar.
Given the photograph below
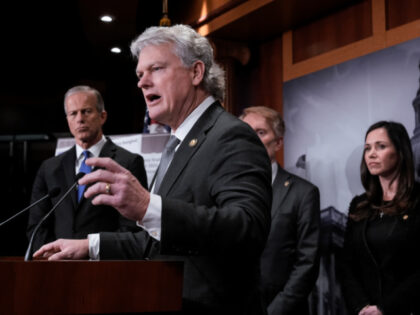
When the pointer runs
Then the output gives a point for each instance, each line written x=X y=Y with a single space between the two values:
x=94 y=150
x=182 y=131
x=274 y=170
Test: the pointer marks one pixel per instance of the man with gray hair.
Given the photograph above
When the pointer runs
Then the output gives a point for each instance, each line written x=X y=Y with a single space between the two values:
x=76 y=217
x=210 y=203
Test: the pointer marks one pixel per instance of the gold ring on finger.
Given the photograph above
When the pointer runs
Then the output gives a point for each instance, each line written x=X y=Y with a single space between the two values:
x=108 y=188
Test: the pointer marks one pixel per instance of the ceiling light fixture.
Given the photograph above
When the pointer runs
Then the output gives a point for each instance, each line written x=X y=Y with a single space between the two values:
x=165 y=21
x=106 y=18
x=116 y=50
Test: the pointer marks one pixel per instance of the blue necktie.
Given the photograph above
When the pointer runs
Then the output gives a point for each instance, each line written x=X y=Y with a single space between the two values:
x=83 y=169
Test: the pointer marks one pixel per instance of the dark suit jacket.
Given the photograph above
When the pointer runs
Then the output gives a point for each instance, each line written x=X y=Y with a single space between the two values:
x=72 y=219
x=290 y=261
x=392 y=284
x=216 y=198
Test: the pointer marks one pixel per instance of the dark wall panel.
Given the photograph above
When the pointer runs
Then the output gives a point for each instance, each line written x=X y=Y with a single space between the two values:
x=400 y=12
x=334 y=31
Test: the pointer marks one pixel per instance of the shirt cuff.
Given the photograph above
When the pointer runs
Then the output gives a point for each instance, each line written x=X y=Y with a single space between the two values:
x=94 y=242
x=152 y=219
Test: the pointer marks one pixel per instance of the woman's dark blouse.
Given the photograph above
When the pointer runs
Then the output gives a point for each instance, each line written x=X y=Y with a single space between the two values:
x=380 y=264
x=376 y=229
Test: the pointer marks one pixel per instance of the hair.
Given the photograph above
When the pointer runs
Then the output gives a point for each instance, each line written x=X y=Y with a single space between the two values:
x=189 y=46
x=273 y=118
x=404 y=197
x=100 y=106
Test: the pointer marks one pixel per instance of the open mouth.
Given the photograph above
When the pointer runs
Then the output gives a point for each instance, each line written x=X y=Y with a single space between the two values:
x=152 y=97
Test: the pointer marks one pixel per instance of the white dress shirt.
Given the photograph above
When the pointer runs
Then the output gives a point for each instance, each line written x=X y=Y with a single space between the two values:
x=94 y=150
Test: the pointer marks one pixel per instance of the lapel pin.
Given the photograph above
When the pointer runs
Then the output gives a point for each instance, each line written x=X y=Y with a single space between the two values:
x=286 y=183
x=193 y=142
x=405 y=217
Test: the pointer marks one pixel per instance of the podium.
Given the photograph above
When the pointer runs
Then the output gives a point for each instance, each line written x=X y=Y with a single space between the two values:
x=89 y=287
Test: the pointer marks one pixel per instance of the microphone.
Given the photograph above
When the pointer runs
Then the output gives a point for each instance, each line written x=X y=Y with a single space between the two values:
x=28 y=255
x=52 y=193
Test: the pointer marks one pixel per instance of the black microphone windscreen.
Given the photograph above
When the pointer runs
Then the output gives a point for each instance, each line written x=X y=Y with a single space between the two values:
x=54 y=192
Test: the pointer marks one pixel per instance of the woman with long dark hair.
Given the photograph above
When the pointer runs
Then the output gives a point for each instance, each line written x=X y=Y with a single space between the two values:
x=381 y=256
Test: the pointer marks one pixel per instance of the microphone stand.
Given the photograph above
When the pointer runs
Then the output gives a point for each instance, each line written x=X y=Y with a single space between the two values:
x=54 y=192
x=28 y=254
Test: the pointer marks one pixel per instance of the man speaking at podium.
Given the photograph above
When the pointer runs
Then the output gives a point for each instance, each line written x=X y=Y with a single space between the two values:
x=76 y=217
x=211 y=206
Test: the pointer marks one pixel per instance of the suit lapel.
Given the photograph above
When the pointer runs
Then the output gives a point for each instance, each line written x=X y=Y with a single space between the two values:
x=281 y=186
x=192 y=142
x=68 y=166
x=109 y=149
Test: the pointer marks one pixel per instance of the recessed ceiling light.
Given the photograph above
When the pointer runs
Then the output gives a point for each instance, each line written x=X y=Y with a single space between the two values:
x=116 y=50
x=106 y=18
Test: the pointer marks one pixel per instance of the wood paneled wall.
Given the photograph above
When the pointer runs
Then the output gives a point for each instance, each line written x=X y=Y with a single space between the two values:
x=400 y=12
x=363 y=28
x=356 y=31
x=207 y=16
x=332 y=32
x=268 y=80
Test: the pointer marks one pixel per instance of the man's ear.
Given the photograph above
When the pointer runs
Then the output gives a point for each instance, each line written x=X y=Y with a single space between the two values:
x=198 y=69
x=103 y=115
x=279 y=144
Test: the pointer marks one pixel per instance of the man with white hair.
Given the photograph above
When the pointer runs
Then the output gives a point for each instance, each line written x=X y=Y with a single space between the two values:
x=211 y=206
